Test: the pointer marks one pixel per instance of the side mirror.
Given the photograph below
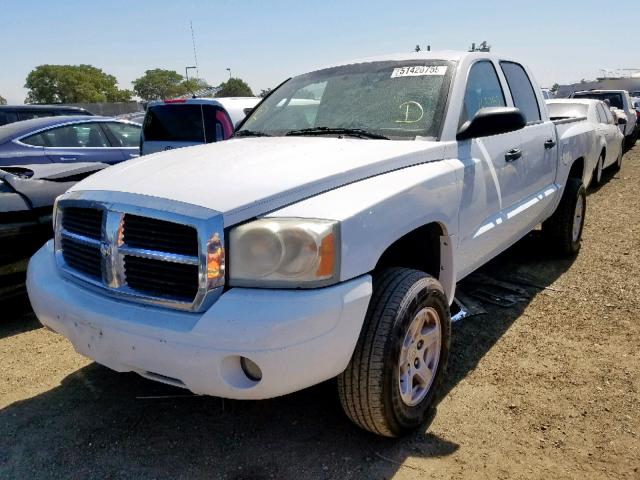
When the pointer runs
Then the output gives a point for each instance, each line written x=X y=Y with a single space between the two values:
x=622 y=121
x=492 y=121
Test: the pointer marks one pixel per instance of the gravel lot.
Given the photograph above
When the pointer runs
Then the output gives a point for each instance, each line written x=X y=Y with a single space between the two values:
x=548 y=387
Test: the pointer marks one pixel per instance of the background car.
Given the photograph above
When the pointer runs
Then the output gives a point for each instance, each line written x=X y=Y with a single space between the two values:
x=621 y=100
x=547 y=94
x=135 y=117
x=608 y=148
x=17 y=113
x=180 y=123
x=27 y=194
x=68 y=140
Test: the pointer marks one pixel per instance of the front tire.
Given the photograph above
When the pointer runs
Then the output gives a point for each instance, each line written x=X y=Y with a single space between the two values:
x=392 y=381
x=564 y=228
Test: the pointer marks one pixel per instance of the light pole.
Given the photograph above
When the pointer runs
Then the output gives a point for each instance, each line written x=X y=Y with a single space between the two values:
x=186 y=71
x=229 y=70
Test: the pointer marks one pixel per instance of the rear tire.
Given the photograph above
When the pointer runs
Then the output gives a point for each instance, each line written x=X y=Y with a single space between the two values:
x=597 y=172
x=564 y=228
x=404 y=341
x=618 y=165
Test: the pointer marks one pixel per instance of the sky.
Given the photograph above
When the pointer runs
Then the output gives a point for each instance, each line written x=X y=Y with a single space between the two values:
x=265 y=42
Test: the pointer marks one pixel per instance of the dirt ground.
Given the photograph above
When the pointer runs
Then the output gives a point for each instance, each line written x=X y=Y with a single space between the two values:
x=548 y=387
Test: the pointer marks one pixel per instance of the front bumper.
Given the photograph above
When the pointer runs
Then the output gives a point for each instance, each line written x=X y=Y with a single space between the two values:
x=298 y=338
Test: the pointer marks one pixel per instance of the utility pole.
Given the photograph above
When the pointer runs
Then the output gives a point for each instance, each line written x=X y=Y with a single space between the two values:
x=186 y=72
x=195 y=54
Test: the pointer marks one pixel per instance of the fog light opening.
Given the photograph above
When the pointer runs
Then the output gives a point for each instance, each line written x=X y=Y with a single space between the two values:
x=250 y=369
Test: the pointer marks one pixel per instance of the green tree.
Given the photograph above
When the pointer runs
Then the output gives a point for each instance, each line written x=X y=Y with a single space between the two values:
x=194 y=84
x=73 y=84
x=234 y=87
x=158 y=84
x=555 y=87
x=3 y=101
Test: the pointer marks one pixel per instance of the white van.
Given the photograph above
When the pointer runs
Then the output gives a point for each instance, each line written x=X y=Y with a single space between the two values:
x=177 y=123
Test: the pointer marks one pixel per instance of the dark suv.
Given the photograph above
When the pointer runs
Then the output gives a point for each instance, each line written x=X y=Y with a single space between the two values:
x=16 y=113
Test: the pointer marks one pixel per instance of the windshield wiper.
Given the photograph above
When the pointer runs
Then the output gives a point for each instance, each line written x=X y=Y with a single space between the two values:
x=352 y=132
x=250 y=133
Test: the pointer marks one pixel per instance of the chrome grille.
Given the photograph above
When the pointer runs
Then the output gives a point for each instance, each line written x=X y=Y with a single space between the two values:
x=157 y=254
x=161 y=279
x=83 y=221
x=82 y=256
x=153 y=234
x=81 y=242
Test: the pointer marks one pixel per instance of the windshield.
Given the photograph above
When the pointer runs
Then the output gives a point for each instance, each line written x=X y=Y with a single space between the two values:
x=615 y=99
x=397 y=100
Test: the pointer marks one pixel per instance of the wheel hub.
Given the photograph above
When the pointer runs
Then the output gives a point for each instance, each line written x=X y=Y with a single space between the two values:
x=419 y=356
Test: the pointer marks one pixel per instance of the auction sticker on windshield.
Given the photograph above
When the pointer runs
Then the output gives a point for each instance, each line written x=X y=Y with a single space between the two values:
x=419 y=70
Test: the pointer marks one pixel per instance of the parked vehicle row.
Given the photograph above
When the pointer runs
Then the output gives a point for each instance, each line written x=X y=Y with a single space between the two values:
x=325 y=238
x=619 y=100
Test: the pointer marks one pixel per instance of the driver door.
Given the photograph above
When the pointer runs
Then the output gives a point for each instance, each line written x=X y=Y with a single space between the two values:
x=486 y=179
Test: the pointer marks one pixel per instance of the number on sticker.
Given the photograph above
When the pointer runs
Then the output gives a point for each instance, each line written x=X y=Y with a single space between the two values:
x=419 y=70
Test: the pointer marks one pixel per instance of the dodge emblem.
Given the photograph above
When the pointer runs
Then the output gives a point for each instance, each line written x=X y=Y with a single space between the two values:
x=105 y=250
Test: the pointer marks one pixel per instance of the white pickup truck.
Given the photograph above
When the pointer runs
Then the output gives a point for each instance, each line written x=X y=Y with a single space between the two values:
x=325 y=239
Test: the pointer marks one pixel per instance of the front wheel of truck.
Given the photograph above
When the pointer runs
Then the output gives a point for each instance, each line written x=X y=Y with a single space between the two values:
x=564 y=228
x=391 y=384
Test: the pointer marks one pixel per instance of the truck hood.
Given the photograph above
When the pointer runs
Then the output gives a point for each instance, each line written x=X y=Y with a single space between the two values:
x=243 y=178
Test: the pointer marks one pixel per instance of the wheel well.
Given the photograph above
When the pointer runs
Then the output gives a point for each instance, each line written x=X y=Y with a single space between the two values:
x=577 y=169
x=418 y=249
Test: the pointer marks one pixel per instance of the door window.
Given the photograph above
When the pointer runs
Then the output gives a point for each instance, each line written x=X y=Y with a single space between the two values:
x=522 y=91
x=88 y=135
x=483 y=90
x=609 y=115
x=600 y=116
x=124 y=134
x=8 y=117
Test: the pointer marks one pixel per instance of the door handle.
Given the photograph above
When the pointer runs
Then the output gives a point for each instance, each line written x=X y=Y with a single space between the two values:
x=513 y=155
x=549 y=144
x=68 y=159
x=134 y=155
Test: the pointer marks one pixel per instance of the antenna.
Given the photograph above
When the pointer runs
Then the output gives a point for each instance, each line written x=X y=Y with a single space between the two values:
x=195 y=54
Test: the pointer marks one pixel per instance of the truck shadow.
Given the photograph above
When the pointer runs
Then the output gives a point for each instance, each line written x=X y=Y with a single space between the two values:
x=98 y=423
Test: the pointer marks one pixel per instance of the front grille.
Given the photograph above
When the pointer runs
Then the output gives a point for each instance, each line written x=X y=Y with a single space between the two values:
x=83 y=221
x=161 y=279
x=153 y=234
x=82 y=257
x=148 y=257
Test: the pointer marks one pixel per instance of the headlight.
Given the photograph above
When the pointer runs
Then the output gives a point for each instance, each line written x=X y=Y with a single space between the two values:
x=284 y=252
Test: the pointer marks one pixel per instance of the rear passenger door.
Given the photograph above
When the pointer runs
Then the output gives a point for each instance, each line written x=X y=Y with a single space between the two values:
x=125 y=137
x=530 y=177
